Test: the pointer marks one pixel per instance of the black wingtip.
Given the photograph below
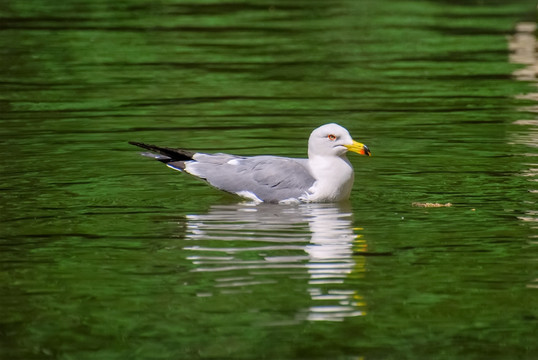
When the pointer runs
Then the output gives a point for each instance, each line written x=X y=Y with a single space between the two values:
x=142 y=145
x=173 y=154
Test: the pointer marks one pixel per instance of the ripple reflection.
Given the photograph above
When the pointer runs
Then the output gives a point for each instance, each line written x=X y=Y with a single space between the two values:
x=269 y=244
x=523 y=46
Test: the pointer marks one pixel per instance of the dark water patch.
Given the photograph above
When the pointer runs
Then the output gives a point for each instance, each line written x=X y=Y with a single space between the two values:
x=40 y=25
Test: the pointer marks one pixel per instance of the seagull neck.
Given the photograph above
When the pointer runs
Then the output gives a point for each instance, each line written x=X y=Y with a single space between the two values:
x=334 y=178
x=330 y=168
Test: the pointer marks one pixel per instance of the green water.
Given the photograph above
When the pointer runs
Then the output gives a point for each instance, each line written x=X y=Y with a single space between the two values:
x=108 y=255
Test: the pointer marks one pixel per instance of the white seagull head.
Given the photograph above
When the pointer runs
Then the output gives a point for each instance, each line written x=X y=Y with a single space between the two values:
x=333 y=140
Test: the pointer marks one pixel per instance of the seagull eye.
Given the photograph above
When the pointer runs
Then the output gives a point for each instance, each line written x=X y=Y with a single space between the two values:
x=332 y=137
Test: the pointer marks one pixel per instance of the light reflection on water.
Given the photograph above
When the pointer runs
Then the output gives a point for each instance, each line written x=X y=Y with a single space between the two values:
x=270 y=241
x=523 y=47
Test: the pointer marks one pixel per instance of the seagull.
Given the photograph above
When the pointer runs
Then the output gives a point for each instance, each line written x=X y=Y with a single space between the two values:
x=326 y=176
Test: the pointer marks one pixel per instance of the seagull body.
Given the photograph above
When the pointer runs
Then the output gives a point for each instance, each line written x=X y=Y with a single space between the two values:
x=326 y=176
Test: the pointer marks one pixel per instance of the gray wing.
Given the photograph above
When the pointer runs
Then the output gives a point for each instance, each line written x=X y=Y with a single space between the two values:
x=269 y=178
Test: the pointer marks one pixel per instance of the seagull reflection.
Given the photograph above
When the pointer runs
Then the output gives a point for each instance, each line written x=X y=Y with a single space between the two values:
x=267 y=244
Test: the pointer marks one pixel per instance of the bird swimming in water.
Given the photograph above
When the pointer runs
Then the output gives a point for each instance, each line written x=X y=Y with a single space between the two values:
x=325 y=176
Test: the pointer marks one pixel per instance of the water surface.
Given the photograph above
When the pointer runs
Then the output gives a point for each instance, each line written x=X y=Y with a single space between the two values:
x=108 y=255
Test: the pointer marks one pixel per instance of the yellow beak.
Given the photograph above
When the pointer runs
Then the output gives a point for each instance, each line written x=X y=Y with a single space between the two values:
x=359 y=148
